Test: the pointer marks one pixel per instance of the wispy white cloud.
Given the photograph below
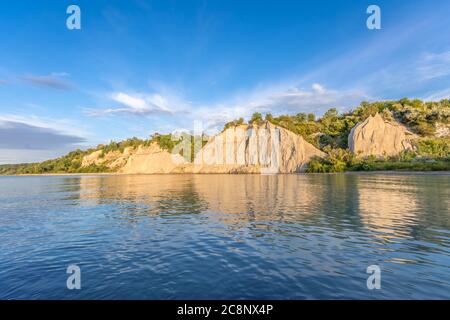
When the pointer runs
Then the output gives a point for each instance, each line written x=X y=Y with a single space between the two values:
x=316 y=100
x=415 y=77
x=377 y=67
x=434 y=65
x=438 y=95
x=277 y=100
x=138 y=104
x=290 y=96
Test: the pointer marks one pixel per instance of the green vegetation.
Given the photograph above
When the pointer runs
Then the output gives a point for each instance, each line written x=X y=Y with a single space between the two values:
x=329 y=133
x=429 y=155
x=332 y=129
x=256 y=118
x=234 y=123
x=434 y=148
x=165 y=141
x=72 y=162
x=336 y=160
x=331 y=164
x=119 y=146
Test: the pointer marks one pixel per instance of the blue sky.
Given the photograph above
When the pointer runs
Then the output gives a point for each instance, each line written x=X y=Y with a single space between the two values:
x=137 y=67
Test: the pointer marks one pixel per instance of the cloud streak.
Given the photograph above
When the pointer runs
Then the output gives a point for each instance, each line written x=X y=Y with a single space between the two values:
x=52 y=81
x=18 y=135
x=136 y=104
x=316 y=100
x=275 y=99
x=278 y=100
x=439 y=95
x=434 y=65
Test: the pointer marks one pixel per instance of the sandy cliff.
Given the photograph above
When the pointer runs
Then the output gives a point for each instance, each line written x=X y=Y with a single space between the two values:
x=112 y=160
x=153 y=159
x=378 y=137
x=263 y=148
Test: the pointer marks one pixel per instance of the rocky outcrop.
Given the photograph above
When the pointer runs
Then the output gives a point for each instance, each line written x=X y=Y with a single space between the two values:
x=377 y=137
x=263 y=148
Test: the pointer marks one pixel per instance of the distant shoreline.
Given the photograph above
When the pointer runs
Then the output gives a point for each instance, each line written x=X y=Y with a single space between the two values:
x=385 y=172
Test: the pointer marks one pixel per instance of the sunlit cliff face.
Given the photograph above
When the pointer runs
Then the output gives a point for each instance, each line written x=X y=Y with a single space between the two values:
x=256 y=148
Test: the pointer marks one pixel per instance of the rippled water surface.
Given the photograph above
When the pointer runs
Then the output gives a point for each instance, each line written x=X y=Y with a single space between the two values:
x=225 y=236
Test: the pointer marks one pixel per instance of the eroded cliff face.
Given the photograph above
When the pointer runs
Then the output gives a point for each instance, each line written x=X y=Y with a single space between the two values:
x=112 y=159
x=153 y=159
x=377 y=137
x=263 y=148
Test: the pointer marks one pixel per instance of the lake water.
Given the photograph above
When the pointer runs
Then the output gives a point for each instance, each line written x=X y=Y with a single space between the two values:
x=225 y=236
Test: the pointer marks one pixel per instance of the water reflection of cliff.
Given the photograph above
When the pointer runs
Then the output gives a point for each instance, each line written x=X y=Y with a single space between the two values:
x=402 y=206
x=384 y=205
x=387 y=205
x=235 y=197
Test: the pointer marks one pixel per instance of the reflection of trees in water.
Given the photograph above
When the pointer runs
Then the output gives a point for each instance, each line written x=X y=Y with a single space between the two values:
x=162 y=195
x=68 y=185
x=185 y=201
x=433 y=209
x=337 y=204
